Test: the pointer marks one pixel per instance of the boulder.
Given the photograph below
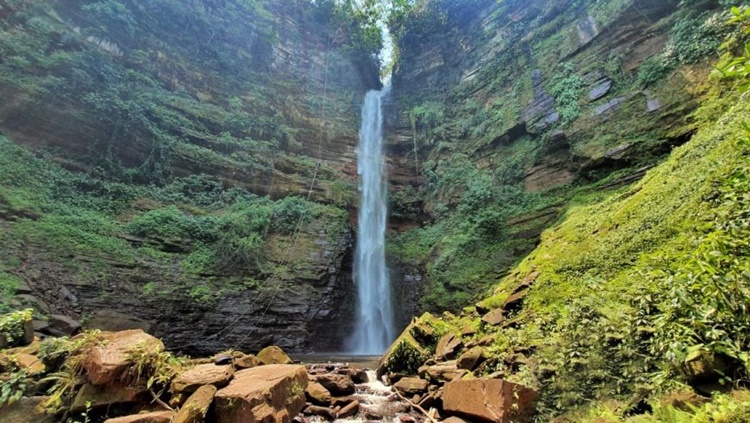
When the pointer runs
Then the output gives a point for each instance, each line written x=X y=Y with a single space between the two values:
x=63 y=325
x=489 y=400
x=107 y=362
x=27 y=410
x=272 y=393
x=443 y=372
x=154 y=417
x=336 y=384
x=454 y=420
x=200 y=375
x=411 y=386
x=104 y=396
x=447 y=346
x=247 y=361
x=600 y=90
x=411 y=349
x=18 y=330
x=273 y=355
x=113 y=321
x=494 y=317
x=349 y=410
x=470 y=358
x=317 y=394
x=196 y=407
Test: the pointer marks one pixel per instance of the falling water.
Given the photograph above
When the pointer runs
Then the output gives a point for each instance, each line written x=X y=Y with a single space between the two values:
x=374 y=327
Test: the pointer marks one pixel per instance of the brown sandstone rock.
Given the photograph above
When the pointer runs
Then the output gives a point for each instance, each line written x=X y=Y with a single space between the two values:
x=104 y=396
x=273 y=355
x=27 y=410
x=317 y=394
x=336 y=384
x=196 y=407
x=411 y=386
x=470 y=358
x=272 y=393
x=349 y=410
x=247 y=361
x=202 y=374
x=494 y=317
x=155 y=417
x=443 y=372
x=454 y=420
x=33 y=365
x=489 y=400
x=105 y=363
x=447 y=346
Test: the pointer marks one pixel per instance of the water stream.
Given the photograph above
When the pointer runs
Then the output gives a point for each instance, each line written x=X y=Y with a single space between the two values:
x=374 y=330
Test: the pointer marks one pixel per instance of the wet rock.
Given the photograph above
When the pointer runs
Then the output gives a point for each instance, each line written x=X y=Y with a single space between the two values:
x=359 y=376
x=223 y=360
x=411 y=386
x=454 y=420
x=447 y=346
x=27 y=410
x=336 y=384
x=342 y=401
x=273 y=355
x=107 y=362
x=489 y=400
x=272 y=393
x=325 y=412
x=202 y=374
x=373 y=415
x=317 y=394
x=471 y=358
x=349 y=410
x=196 y=407
x=104 y=396
x=541 y=113
x=154 y=417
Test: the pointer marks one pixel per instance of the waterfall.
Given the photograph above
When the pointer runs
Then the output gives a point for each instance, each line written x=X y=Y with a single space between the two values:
x=374 y=329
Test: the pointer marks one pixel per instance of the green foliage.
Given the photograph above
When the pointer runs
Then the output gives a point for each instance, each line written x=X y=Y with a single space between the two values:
x=171 y=222
x=737 y=66
x=8 y=286
x=12 y=325
x=566 y=88
x=12 y=388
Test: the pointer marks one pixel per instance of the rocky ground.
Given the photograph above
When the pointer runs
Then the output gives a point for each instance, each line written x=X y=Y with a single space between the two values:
x=127 y=377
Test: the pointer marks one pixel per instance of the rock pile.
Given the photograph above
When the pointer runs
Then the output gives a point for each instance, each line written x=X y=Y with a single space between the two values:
x=127 y=377
x=443 y=384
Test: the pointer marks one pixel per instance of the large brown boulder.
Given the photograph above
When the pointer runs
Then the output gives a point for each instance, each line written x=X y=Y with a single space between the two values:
x=202 y=374
x=155 y=417
x=105 y=363
x=338 y=385
x=489 y=400
x=272 y=393
x=317 y=394
x=411 y=349
x=196 y=407
x=273 y=355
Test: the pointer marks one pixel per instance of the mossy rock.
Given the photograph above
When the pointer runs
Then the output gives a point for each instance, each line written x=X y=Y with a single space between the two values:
x=413 y=347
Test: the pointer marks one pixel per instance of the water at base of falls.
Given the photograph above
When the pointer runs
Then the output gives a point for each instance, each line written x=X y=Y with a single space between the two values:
x=374 y=330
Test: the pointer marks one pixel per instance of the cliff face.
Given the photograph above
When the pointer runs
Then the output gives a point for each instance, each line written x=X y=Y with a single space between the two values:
x=504 y=110
x=150 y=105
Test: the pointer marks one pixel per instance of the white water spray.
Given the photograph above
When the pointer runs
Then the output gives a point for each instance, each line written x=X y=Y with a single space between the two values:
x=374 y=329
